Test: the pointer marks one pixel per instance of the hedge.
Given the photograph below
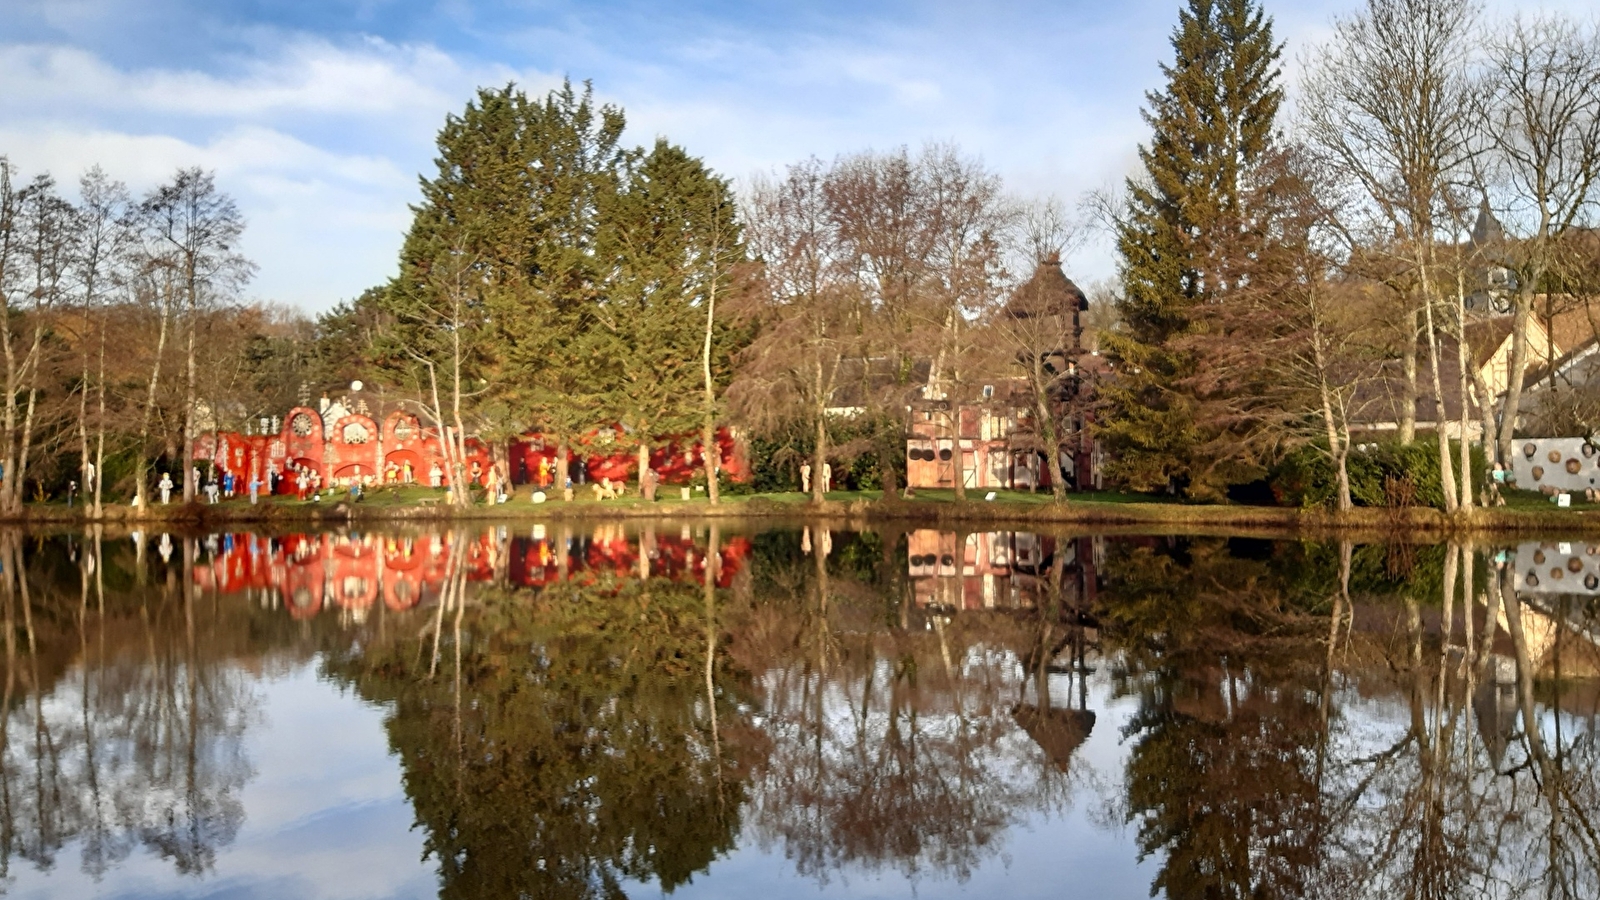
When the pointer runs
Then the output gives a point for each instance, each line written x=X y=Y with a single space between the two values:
x=1306 y=477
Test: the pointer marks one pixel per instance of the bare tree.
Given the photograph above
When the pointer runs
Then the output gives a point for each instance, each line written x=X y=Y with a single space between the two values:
x=969 y=218
x=197 y=228
x=36 y=230
x=1041 y=324
x=1544 y=126
x=1390 y=102
x=103 y=241
x=791 y=369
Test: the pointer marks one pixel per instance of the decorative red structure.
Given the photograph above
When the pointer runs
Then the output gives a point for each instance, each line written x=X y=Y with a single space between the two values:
x=339 y=447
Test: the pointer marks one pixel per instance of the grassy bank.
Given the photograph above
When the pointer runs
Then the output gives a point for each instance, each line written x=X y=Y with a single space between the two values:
x=1523 y=513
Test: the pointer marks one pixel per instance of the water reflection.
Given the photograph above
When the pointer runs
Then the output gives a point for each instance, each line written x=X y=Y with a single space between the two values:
x=583 y=710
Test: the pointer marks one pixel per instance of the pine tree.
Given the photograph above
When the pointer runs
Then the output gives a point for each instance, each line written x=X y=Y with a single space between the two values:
x=1211 y=123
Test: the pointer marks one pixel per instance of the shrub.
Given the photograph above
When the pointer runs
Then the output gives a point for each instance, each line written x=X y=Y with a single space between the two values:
x=1379 y=473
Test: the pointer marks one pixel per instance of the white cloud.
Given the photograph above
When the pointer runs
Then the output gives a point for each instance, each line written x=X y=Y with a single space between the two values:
x=314 y=77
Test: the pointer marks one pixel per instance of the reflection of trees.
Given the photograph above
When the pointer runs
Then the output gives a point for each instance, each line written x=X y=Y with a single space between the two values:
x=1221 y=775
x=137 y=743
x=892 y=745
x=563 y=744
x=1396 y=750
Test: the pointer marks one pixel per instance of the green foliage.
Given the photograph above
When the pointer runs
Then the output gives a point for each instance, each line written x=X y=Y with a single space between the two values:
x=1211 y=123
x=668 y=236
x=858 y=450
x=1306 y=477
x=566 y=275
x=577 y=753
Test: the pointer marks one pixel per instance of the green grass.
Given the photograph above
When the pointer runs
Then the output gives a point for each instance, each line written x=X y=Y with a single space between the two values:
x=1533 y=501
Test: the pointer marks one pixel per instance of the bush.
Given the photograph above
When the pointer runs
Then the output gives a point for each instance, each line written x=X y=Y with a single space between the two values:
x=1379 y=474
x=857 y=446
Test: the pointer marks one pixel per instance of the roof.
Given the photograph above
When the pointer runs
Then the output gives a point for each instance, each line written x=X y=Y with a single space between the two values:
x=1574 y=324
x=1049 y=292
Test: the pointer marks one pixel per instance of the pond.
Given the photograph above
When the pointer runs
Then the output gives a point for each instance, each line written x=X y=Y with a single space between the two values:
x=608 y=709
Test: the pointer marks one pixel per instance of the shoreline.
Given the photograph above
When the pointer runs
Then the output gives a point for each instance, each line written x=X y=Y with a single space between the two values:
x=1147 y=516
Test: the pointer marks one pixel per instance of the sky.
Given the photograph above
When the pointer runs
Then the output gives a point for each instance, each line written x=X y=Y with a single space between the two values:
x=318 y=116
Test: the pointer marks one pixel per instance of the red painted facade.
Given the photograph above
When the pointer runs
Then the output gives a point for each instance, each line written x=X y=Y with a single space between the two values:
x=402 y=450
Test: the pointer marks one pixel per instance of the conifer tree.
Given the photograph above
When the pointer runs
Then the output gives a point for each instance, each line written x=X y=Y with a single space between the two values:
x=499 y=274
x=1211 y=123
x=669 y=237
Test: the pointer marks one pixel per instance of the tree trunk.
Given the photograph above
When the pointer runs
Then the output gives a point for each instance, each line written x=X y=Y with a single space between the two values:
x=31 y=364
x=141 y=497
x=819 y=458
x=710 y=455
x=887 y=479
x=189 y=399
x=100 y=424
x=83 y=433
x=1048 y=435
x=644 y=467
x=1447 y=481
x=463 y=494
x=1464 y=361
x=1408 y=397
x=563 y=468
x=1338 y=430
x=957 y=457
x=1514 y=374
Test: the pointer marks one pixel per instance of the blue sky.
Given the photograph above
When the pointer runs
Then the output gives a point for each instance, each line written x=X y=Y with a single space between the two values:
x=318 y=115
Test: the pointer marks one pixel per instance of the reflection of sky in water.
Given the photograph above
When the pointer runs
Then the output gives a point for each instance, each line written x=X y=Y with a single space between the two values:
x=1082 y=848
x=325 y=815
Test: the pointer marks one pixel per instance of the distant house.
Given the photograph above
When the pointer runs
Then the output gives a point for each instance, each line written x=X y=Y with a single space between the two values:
x=993 y=425
x=1561 y=335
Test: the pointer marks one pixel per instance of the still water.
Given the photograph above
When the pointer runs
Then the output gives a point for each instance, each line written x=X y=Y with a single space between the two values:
x=604 y=710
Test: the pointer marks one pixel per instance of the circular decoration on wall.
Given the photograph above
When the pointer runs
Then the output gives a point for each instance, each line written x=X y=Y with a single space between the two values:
x=300 y=425
x=1587 y=449
x=1556 y=574
x=402 y=430
x=1553 y=456
x=1538 y=557
x=947 y=560
x=944 y=453
x=1529 y=449
x=1591 y=581
x=1533 y=579
x=1573 y=466
x=1538 y=472
x=355 y=433
x=1574 y=565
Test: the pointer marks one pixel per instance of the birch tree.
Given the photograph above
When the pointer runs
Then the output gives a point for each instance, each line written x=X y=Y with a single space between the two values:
x=195 y=231
x=1543 y=115
x=1389 y=100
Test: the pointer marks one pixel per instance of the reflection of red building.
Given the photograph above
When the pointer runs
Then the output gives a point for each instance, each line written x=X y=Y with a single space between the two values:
x=340 y=445
x=310 y=572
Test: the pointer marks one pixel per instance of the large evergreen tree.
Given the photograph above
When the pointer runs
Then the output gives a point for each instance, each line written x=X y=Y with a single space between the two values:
x=1212 y=122
x=565 y=277
x=668 y=240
